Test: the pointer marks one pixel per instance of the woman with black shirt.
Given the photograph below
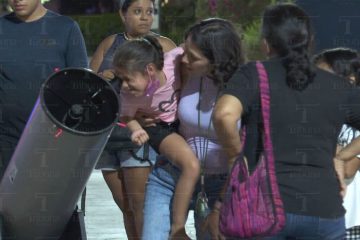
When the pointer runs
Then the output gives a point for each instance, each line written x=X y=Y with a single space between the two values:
x=308 y=107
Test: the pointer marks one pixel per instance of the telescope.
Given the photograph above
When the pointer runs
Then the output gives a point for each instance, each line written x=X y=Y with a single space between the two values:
x=67 y=130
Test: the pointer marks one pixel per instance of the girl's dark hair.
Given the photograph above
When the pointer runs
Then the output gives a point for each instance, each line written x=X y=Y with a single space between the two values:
x=343 y=61
x=135 y=55
x=218 y=40
x=287 y=30
x=124 y=5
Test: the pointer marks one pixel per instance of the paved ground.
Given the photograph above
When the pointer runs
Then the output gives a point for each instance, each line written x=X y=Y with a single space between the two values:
x=103 y=219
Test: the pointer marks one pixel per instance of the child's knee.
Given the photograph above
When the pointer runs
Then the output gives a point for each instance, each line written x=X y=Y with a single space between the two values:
x=192 y=169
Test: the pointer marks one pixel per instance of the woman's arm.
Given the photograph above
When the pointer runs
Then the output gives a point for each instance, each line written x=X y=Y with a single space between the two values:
x=98 y=55
x=227 y=112
x=146 y=120
x=351 y=166
x=166 y=43
x=349 y=151
x=346 y=162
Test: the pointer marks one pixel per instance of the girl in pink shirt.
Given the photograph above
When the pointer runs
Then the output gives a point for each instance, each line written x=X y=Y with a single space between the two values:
x=151 y=85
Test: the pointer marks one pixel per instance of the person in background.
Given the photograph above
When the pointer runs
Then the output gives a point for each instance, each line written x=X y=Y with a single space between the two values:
x=34 y=43
x=345 y=62
x=123 y=172
x=212 y=52
x=307 y=113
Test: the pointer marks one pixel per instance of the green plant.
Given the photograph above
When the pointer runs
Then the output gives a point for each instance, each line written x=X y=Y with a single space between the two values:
x=251 y=40
x=95 y=28
x=246 y=16
x=176 y=19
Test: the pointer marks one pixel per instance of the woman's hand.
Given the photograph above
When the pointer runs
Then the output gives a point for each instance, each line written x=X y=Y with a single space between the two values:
x=107 y=74
x=146 y=120
x=211 y=225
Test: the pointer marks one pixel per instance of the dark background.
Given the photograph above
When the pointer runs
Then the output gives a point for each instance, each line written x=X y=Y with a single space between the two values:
x=336 y=22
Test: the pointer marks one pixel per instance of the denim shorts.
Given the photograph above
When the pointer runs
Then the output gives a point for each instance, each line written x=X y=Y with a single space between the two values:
x=114 y=160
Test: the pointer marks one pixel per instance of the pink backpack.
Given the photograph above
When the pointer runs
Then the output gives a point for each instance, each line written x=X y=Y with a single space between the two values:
x=253 y=206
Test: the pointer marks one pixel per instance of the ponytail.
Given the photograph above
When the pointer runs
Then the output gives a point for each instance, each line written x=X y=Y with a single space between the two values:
x=286 y=27
x=299 y=70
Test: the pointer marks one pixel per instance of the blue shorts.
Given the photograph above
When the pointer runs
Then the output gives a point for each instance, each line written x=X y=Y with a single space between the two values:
x=114 y=160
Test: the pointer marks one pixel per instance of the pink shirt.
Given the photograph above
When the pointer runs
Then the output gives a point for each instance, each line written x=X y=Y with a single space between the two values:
x=163 y=103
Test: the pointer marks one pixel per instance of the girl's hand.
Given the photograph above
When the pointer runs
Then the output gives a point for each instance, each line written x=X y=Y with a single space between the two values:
x=139 y=137
x=211 y=224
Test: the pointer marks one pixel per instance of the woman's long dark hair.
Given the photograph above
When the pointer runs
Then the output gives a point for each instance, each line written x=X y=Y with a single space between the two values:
x=287 y=30
x=218 y=40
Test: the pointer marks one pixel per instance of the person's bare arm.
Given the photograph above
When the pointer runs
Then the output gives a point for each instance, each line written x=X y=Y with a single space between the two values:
x=349 y=151
x=227 y=112
x=166 y=43
x=346 y=156
x=146 y=120
x=138 y=135
x=99 y=54
x=351 y=167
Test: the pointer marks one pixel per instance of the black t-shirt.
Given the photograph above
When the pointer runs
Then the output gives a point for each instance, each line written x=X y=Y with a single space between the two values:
x=304 y=130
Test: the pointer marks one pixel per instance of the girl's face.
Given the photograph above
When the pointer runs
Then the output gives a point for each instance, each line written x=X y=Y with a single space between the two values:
x=138 y=18
x=134 y=83
x=194 y=60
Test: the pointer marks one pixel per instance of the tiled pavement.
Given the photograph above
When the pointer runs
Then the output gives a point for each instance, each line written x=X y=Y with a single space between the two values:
x=103 y=219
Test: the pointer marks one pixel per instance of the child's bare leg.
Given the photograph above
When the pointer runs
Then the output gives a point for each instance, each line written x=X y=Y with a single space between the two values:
x=175 y=148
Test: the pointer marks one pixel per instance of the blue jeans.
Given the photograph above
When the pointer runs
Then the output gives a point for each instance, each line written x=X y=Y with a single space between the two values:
x=158 y=201
x=311 y=228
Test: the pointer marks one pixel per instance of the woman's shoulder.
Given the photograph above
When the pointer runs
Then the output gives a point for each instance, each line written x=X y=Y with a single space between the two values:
x=108 y=42
x=166 y=43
